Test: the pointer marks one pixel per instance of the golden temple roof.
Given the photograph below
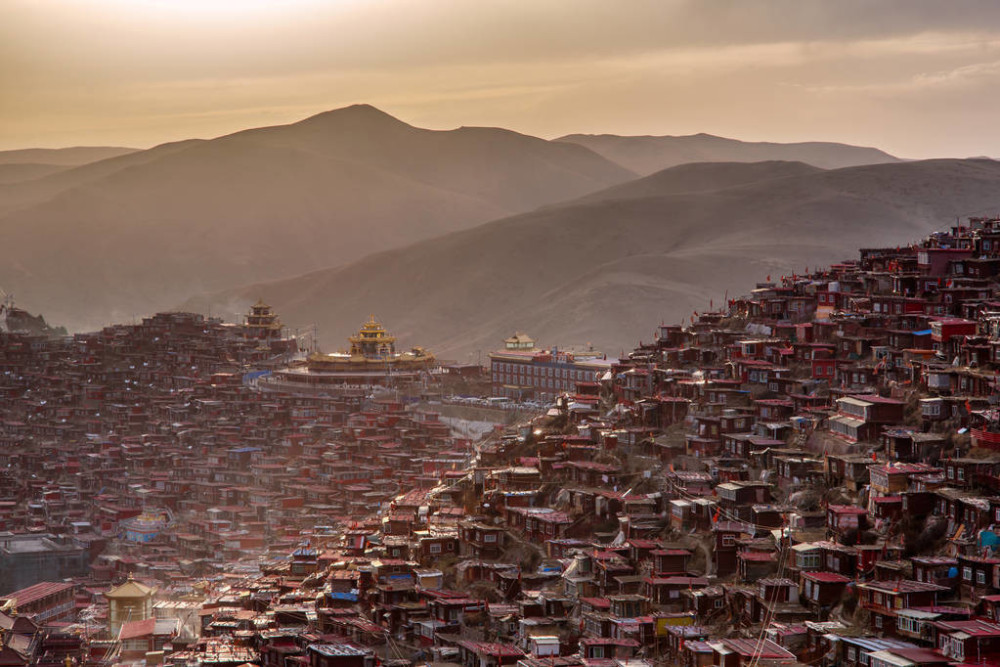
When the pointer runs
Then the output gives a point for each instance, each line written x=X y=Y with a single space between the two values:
x=372 y=346
x=372 y=330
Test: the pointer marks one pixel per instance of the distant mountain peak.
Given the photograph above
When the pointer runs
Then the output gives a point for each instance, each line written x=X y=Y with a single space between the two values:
x=355 y=113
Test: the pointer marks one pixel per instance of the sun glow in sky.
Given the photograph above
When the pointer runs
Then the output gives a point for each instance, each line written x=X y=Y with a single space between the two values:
x=919 y=78
x=233 y=10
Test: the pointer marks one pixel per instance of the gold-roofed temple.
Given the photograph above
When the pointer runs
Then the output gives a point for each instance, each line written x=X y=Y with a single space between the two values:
x=373 y=341
x=262 y=324
x=261 y=321
x=372 y=360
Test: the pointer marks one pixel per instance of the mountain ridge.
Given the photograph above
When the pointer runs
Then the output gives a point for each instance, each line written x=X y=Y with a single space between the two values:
x=647 y=154
x=72 y=156
x=702 y=177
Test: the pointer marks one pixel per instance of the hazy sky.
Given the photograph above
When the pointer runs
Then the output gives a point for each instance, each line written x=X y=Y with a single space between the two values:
x=919 y=78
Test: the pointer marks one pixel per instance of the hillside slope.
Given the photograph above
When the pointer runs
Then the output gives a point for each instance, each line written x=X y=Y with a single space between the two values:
x=16 y=172
x=596 y=270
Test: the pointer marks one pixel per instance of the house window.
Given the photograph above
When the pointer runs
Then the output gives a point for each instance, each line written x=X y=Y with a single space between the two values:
x=489 y=537
x=435 y=547
x=717 y=603
x=961 y=474
x=980 y=577
x=878 y=621
x=966 y=574
x=728 y=540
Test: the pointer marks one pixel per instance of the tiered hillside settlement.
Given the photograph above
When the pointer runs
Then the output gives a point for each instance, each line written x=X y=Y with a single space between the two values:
x=809 y=475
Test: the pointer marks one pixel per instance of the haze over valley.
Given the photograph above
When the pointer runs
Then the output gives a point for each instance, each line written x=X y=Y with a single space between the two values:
x=625 y=259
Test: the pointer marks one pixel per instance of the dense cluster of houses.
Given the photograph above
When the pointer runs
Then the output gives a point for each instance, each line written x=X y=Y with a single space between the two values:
x=809 y=475
x=147 y=450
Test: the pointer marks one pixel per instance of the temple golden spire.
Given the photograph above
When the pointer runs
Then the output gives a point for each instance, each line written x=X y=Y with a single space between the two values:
x=373 y=341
